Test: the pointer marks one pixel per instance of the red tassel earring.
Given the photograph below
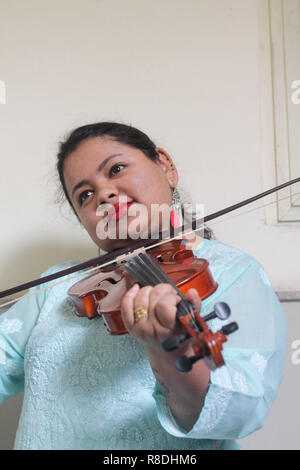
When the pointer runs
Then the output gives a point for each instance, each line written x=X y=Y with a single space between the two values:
x=176 y=212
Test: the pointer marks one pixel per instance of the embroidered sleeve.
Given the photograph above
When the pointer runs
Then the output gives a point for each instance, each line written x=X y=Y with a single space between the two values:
x=16 y=325
x=241 y=392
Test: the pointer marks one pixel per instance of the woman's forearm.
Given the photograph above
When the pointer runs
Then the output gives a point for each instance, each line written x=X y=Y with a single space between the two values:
x=184 y=393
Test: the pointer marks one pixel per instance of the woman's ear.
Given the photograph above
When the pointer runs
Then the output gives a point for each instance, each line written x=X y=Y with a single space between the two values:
x=166 y=163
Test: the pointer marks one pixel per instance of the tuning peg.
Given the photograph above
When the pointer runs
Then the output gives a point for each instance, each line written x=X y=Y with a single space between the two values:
x=230 y=328
x=172 y=343
x=184 y=363
x=221 y=311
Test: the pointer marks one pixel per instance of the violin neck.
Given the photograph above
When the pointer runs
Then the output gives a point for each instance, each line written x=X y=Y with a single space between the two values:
x=147 y=272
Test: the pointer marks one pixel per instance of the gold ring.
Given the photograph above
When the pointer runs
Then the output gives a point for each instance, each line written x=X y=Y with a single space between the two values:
x=139 y=313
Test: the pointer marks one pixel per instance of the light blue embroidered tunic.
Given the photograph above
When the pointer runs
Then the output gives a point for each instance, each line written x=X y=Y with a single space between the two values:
x=84 y=389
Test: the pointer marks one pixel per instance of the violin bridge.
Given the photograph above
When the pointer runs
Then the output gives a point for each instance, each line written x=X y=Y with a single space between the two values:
x=124 y=258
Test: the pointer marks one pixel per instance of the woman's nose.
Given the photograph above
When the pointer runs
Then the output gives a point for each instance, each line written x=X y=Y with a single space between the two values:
x=107 y=194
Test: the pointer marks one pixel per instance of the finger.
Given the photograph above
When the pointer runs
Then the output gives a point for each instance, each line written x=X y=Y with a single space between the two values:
x=127 y=306
x=158 y=292
x=141 y=303
x=165 y=310
x=163 y=304
x=193 y=297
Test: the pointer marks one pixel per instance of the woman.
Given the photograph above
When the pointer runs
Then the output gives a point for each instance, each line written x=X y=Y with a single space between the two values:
x=87 y=390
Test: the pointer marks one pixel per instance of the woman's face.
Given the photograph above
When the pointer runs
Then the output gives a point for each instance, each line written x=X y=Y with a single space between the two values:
x=104 y=174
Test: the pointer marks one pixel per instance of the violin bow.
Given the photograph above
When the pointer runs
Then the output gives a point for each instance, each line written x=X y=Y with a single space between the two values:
x=119 y=254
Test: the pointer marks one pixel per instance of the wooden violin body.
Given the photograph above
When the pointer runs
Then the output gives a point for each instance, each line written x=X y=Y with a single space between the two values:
x=101 y=293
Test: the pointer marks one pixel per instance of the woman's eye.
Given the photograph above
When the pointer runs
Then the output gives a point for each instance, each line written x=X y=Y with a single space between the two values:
x=116 y=169
x=84 y=195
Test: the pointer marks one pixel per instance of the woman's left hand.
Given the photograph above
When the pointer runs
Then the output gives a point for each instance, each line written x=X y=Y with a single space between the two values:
x=160 y=303
x=183 y=392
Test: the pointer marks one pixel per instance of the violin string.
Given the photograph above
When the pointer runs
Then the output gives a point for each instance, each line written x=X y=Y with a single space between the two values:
x=141 y=270
x=184 y=306
x=143 y=267
x=164 y=278
x=160 y=242
x=148 y=262
x=140 y=273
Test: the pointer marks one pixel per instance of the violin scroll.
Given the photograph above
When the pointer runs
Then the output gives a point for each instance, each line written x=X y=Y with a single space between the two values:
x=207 y=345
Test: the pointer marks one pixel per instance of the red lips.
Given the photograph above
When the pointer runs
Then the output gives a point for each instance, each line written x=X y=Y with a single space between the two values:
x=121 y=208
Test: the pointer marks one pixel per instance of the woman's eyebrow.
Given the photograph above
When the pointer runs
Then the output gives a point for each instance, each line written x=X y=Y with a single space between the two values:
x=100 y=168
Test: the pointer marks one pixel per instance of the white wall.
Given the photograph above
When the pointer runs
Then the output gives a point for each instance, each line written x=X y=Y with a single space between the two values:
x=186 y=72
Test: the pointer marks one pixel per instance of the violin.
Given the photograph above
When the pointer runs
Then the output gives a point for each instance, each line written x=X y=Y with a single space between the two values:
x=101 y=294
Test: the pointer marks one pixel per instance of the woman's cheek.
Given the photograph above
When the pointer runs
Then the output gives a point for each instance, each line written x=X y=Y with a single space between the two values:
x=89 y=222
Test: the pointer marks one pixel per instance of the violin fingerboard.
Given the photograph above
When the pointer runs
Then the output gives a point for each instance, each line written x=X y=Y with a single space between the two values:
x=148 y=272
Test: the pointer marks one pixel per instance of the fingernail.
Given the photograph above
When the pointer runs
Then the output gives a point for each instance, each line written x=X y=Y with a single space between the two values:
x=194 y=291
x=134 y=288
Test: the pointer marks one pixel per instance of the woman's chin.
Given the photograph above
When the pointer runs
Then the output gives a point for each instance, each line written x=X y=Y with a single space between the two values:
x=111 y=245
